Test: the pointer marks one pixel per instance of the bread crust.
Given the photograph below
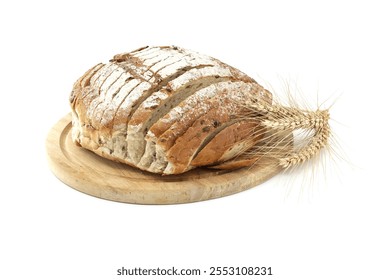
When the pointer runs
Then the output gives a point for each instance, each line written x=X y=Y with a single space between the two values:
x=164 y=110
x=227 y=144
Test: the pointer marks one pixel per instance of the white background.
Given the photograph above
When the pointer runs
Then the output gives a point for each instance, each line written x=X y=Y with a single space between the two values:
x=333 y=227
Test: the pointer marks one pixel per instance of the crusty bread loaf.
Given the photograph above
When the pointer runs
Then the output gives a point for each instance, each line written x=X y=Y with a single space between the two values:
x=164 y=110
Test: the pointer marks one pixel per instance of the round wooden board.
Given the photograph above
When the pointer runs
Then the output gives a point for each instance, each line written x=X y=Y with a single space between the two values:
x=97 y=176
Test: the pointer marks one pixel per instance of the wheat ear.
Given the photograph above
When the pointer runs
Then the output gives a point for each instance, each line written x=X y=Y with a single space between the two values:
x=276 y=123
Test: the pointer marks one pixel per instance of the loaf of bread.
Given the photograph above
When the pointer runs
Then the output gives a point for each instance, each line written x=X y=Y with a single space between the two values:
x=165 y=110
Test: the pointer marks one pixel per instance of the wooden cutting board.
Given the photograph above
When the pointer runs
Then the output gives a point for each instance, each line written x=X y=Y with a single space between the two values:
x=94 y=175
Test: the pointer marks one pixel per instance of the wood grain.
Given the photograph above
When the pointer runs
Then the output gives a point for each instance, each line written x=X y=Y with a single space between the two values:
x=96 y=176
